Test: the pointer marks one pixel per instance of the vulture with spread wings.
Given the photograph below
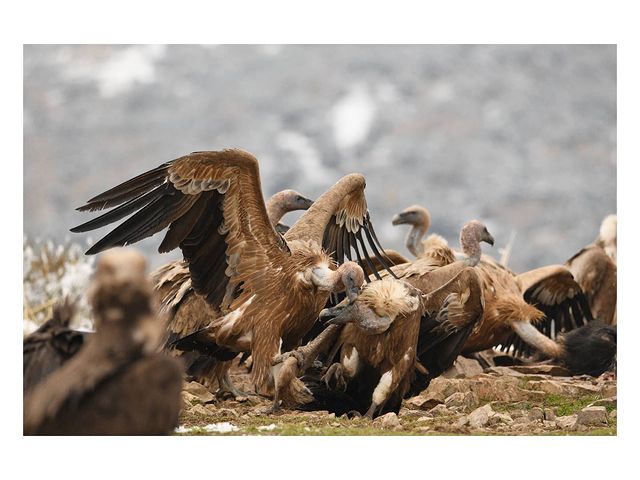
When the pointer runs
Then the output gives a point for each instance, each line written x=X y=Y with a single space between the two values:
x=265 y=289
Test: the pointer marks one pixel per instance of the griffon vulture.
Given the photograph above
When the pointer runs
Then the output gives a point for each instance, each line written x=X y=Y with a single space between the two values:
x=397 y=338
x=268 y=288
x=548 y=297
x=116 y=384
x=189 y=312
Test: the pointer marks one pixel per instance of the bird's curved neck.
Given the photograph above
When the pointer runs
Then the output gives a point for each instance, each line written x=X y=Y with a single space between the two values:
x=414 y=238
x=312 y=224
x=276 y=208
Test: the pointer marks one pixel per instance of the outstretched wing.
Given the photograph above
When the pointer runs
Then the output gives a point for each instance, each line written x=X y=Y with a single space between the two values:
x=597 y=274
x=212 y=205
x=554 y=291
x=452 y=311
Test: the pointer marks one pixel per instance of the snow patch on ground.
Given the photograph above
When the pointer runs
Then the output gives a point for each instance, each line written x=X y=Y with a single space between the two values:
x=220 y=427
x=267 y=428
x=352 y=117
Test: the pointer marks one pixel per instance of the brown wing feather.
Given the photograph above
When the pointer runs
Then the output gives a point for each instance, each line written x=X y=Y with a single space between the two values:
x=453 y=311
x=212 y=203
x=553 y=291
x=597 y=274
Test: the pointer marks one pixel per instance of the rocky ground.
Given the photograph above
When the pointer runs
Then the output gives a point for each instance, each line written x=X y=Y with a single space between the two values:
x=467 y=400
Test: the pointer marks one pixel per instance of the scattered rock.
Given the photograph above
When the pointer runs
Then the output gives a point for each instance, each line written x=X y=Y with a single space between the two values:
x=536 y=414
x=388 y=420
x=188 y=400
x=522 y=420
x=222 y=411
x=423 y=402
x=464 y=368
x=609 y=390
x=549 y=414
x=550 y=424
x=605 y=402
x=199 y=391
x=504 y=371
x=498 y=418
x=424 y=419
x=582 y=389
x=199 y=410
x=553 y=370
x=480 y=416
x=406 y=412
x=568 y=422
x=592 y=416
x=466 y=401
x=440 y=410
x=613 y=414
x=548 y=386
x=462 y=421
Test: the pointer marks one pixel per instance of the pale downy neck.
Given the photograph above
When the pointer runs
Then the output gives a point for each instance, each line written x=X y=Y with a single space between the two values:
x=414 y=238
x=470 y=247
x=276 y=208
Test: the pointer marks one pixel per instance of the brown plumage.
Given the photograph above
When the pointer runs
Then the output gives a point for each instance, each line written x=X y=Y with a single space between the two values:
x=50 y=346
x=595 y=269
x=378 y=343
x=548 y=297
x=189 y=312
x=396 y=339
x=117 y=384
x=269 y=289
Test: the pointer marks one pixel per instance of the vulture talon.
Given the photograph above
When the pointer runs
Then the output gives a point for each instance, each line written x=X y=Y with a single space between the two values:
x=336 y=373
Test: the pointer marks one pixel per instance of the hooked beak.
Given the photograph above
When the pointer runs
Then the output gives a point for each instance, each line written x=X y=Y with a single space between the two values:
x=305 y=203
x=399 y=219
x=338 y=315
x=489 y=239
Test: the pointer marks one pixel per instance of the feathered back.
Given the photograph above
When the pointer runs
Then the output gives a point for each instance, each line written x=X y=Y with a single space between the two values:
x=389 y=297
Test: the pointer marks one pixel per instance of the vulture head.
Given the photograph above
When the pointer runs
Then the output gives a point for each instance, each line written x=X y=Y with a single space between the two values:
x=471 y=235
x=414 y=215
x=419 y=219
x=348 y=278
x=292 y=200
x=122 y=299
x=376 y=307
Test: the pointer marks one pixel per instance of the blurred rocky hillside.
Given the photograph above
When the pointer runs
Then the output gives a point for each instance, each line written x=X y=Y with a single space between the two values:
x=521 y=137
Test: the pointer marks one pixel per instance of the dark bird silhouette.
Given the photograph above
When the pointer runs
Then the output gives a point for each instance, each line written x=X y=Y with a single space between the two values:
x=50 y=346
x=116 y=384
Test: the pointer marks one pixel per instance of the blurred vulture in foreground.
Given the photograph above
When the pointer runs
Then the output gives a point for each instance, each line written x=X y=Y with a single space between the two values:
x=51 y=345
x=595 y=269
x=265 y=290
x=189 y=312
x=117 y=384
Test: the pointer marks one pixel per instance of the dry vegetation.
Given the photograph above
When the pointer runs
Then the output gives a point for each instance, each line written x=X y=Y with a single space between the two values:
x=52 y=272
